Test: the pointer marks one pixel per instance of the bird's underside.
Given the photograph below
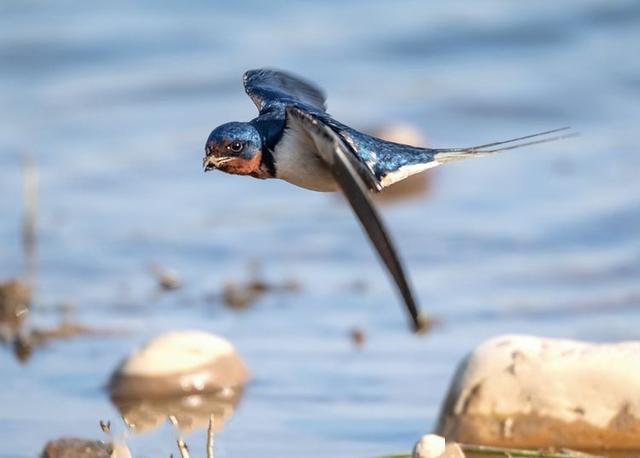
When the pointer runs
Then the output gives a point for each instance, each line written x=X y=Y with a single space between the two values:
x=303 y=144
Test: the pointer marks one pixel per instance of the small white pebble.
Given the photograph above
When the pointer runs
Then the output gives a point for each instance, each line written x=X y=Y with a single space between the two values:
x=429 y=446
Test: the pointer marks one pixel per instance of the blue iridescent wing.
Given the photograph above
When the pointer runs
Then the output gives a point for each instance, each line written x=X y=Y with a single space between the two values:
x=273 y=88
x=346 y=169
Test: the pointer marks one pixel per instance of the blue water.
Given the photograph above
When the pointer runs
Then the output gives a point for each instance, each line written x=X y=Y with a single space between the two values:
x=114 y=102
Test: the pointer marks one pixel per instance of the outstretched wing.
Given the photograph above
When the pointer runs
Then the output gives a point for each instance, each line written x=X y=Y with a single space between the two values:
x=268 y=88
x=346 y=170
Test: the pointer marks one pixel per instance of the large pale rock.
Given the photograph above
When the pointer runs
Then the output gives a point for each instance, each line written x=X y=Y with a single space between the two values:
x=453 y=450
x=526 y=391
x=177 y=364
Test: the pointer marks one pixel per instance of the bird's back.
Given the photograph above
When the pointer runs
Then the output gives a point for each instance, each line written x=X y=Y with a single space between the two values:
x=388 y=161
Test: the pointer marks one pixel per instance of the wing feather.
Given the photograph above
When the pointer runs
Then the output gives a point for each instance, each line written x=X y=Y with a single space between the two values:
x=268 y=87
x=344 y=168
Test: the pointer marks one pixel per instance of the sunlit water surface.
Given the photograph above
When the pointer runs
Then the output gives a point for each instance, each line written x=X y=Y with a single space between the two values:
x=114 y=102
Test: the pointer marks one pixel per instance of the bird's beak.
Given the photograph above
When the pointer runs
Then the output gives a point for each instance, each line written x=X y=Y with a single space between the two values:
x=213 y=162
x=209 y=163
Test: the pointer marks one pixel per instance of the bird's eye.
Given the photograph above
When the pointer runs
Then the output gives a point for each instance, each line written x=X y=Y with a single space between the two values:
x=235 y=146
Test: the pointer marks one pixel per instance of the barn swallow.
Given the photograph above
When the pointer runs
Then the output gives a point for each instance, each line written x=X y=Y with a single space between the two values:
x=295 y=139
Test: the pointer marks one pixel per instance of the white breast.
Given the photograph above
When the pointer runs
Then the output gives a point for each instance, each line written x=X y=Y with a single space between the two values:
x=297 y=162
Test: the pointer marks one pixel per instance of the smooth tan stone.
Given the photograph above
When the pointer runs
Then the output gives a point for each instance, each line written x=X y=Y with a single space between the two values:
x=525 y=391
x=83 y=448
x=406 y=134
x=179 y=363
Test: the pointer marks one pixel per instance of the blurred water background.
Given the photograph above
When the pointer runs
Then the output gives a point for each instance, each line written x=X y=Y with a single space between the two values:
x=114 y=102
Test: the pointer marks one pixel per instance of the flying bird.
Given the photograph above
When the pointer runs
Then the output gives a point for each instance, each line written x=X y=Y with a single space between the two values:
x=294 y=138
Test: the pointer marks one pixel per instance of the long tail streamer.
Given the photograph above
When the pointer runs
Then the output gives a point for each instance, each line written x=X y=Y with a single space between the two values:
x=455 y=154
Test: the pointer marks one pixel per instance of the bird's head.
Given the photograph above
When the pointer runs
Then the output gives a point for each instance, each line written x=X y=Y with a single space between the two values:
x=235 y=147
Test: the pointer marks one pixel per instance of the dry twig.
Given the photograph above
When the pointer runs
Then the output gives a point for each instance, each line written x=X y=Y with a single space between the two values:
x=182 y=446
x=210 y=437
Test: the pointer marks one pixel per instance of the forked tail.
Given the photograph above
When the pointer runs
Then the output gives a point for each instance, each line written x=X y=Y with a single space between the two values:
x=443 y=155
